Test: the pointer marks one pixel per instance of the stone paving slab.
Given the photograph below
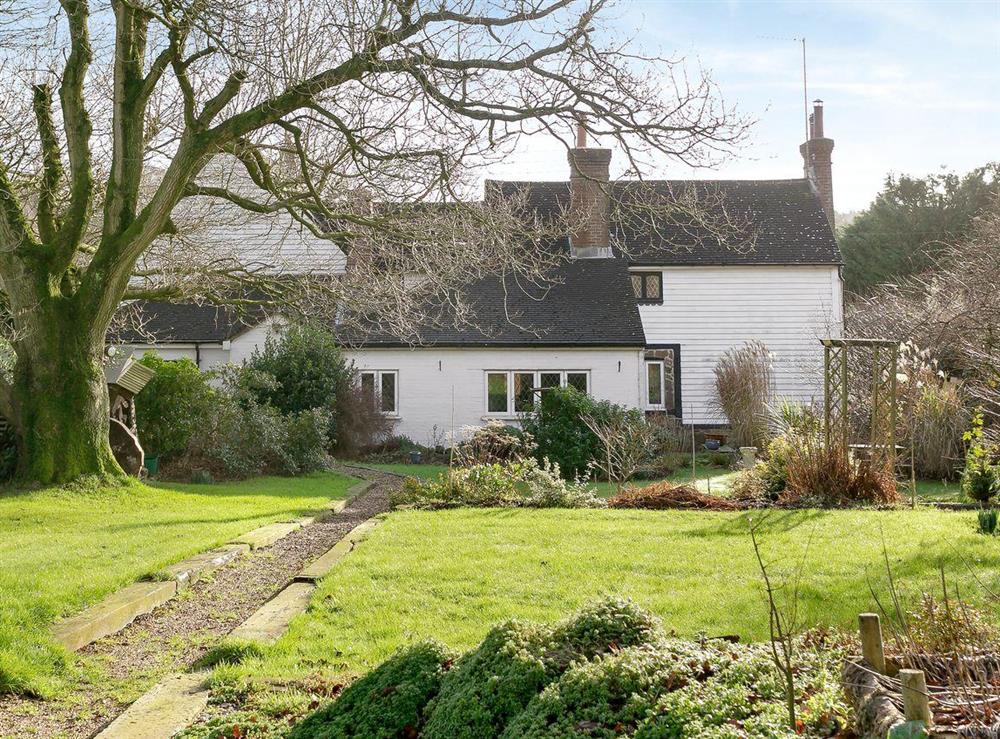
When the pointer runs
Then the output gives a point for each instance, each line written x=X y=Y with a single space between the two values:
x=113 y=613
x=265 y=536
x=271 y=620
x=167 y=708
x=325 y=562
x=188 y=571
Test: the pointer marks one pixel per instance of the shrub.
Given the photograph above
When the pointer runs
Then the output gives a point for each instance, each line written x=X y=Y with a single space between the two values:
x=743 y=385
x=493 y=683
x=626 y=442
x=525 y=483
x=767 y=479
x=306 y=441
x=599 y=628
x=980 y=477
x=546 y=488
x=611 y=696
x=494 y=442
x=828 y=476
x=988 y=521
x=386 y=703
x=557 y=426
x=243 y=437
x=172 y=406
x=307 y=368
x=359 y=424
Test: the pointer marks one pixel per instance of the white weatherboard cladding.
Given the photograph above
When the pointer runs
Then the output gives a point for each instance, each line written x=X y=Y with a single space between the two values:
x=708 y=310
x=429 y=378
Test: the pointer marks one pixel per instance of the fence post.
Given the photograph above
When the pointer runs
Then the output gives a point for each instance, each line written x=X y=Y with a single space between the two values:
x=916 y=706
x=871 y=641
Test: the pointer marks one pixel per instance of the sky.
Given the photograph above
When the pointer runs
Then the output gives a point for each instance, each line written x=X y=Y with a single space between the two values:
x=908 y=87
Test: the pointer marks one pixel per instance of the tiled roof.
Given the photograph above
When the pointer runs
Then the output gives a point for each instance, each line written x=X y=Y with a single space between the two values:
x=186 y=323
x=763 y=222
x=588 y=303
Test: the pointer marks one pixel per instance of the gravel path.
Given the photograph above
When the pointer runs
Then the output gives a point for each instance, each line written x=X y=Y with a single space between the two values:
x=177 y=633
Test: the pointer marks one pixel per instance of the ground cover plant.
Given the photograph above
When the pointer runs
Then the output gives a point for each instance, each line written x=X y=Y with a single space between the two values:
x=64 y=548
x=609 y=670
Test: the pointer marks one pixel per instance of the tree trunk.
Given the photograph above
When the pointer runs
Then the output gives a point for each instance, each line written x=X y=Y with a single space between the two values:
x=60 y=403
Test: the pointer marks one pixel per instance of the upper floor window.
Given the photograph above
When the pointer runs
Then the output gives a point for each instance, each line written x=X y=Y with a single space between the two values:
x=648 y=286
x=382 y=389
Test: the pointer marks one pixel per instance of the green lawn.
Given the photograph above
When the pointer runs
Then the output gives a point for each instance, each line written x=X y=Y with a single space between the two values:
x=451 y=574
x=63 y=548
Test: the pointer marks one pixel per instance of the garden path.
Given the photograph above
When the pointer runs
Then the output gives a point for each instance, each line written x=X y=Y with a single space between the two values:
x=175 y=635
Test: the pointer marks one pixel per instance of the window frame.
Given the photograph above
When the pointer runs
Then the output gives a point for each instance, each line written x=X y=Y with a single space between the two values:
x=377 y=389
x=662 y=405
x=678 y=397
x=644 y=275
x=536 y=389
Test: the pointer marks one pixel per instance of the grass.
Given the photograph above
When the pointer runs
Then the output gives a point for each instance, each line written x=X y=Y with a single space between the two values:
x=450 y=575
x=62 y=549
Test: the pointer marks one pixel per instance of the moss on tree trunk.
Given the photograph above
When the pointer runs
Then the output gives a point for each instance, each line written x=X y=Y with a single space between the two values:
x=60 y=403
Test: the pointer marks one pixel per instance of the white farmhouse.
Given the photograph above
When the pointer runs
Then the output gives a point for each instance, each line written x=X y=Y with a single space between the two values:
x=641 y=326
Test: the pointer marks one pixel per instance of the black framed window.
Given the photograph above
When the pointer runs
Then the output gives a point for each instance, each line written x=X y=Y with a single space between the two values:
x=648 y=286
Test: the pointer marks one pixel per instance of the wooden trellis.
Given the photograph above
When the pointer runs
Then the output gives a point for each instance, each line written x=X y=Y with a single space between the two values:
x=881 y=442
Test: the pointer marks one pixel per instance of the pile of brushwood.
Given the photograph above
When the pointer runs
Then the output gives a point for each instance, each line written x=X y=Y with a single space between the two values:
x=608 y=671
x=666 y=495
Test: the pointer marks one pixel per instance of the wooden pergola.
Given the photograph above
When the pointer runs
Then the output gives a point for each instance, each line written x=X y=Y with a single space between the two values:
x=881 y=442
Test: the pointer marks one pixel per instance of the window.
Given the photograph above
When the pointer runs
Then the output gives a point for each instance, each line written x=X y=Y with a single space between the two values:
x=496 y=392
x=379 y=387
x=577 y=380
x=515 y=391
x=524 y=391
x=550 y=380
x=648 y=286
x=654 y=384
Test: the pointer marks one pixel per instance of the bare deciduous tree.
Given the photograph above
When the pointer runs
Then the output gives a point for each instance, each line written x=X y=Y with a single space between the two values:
x=114 y=110
x=627 y=441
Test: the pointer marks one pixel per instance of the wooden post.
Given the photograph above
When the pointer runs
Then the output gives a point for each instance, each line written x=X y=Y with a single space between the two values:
x=916 y=706
x=871 y=641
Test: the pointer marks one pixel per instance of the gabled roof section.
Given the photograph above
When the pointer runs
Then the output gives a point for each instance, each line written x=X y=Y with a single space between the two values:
x=187 y=323
x=776 y=222
x=589 y=303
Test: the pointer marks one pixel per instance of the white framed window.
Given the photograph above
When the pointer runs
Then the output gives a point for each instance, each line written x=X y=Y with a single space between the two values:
x=382 y=389
x=509 y=392
x=655 y=385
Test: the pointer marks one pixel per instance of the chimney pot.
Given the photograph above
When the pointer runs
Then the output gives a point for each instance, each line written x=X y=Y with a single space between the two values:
x=817 y=160
x=581 y=136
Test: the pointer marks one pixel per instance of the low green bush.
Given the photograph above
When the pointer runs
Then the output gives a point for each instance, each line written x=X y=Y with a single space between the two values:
x=608 y=671
x=980 y=478
x=988 y=521
x=494 y=682
x=386 y=703
x=513 y=484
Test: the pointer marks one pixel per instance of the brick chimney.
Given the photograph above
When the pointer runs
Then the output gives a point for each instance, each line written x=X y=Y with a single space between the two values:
x=816 y=157
x=588 y=184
